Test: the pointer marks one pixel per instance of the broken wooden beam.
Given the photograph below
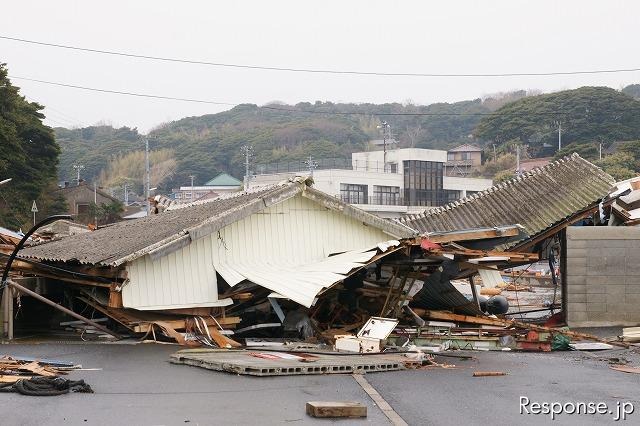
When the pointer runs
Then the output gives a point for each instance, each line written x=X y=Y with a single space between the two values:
x=448 y=316
x=336 y=409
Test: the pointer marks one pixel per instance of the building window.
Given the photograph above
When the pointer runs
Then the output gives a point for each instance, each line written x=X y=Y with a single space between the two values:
x=451 y=156
x=353 y=194
x=423 y=183
x=386 y=195
x=466 y=156
x=393 y=168
x=82 y=209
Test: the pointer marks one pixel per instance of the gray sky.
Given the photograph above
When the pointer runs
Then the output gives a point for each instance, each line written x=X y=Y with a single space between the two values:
x=386 y=36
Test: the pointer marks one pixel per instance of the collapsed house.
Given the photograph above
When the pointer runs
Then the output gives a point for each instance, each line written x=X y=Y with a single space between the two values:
x=289 y=258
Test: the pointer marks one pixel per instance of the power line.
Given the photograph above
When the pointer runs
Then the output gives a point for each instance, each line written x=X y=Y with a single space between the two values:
x=304 y=111
x=119 y=92
x=316 y=71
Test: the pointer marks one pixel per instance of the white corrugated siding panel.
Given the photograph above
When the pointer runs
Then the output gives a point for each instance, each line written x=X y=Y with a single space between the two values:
x=284 y=248
x=182 y=279
x=299 y=283
x=490 y=278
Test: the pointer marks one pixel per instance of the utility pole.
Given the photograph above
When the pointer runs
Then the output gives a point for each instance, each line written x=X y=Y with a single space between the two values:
x=385 y=128
x=248 y=152
x=192 y=193
x=559 y=123
x=600 y=152
x=147 y=174
x=78 y=167
x=517 y=160
x=95 y=204
x=126 y=195
x=494 y=153
x=311 y=165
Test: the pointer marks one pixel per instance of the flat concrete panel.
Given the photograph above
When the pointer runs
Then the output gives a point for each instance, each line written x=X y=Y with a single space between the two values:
x=596 y=307
x=577 y=297
x=576 y=316
x=596 y=289
x=577 y=281
x=608 y=261
x=573 y=253
x=602 y=233
x=577 y=307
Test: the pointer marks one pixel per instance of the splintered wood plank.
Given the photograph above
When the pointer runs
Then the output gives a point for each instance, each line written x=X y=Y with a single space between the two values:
x=336 y=409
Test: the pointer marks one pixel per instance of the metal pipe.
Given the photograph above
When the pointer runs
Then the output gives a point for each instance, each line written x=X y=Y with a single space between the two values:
x=69 y=312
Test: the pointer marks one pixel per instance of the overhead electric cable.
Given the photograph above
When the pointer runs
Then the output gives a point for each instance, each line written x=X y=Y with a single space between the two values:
x=292 y=110
x=315 y=71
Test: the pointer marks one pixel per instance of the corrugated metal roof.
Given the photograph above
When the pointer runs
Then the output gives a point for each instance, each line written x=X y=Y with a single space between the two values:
x=126 y=241
x=537 y=200
x=300 y=283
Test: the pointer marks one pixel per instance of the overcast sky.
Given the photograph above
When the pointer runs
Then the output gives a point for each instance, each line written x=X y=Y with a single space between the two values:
x=386 y=36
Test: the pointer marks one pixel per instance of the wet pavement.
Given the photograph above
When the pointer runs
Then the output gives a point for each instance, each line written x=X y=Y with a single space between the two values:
x=136 y=385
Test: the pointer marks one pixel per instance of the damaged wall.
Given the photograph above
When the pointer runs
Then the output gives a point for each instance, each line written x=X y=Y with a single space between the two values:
x=293 y=232
x=603 y=276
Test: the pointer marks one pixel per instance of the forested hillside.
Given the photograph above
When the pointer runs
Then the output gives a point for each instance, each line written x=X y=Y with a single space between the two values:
x=588 y=115
x=207 y=145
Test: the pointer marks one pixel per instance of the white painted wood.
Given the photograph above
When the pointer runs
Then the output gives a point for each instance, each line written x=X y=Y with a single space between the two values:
x=273 y=244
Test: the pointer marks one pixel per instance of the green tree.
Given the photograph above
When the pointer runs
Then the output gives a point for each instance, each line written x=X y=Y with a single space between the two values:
x=28 y=155
x=586 y=115
x=620 y=165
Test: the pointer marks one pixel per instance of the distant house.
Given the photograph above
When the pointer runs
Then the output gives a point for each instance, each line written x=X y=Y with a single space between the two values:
x=467 y=153
x=80 y=197
x=221 y=184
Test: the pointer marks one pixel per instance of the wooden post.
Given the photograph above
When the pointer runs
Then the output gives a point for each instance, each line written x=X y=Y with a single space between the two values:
x=474 y=292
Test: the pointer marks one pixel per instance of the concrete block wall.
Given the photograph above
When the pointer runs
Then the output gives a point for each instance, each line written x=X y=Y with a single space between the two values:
x=603 y=276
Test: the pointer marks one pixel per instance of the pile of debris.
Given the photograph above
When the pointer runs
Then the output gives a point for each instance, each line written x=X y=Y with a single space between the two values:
x=38 y=377
x=289 y=262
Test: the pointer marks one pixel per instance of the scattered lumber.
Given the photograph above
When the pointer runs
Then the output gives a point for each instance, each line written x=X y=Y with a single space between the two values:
x=336 y=409
x=490 y=291
x=625 y=368
x=448 y=316
x=488 y=373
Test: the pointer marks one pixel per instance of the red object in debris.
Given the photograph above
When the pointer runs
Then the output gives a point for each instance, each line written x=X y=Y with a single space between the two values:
x=428 y=245
x=555 y=320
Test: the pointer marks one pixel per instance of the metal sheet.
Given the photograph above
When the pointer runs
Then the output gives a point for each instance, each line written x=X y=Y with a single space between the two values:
x=490 y=278
x=537 y=200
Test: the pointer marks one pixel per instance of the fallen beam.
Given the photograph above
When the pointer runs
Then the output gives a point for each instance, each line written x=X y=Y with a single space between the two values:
x=69 y=312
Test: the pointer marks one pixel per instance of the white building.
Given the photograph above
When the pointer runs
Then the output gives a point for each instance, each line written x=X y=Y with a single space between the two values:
x=221 y=184
x=405 y=182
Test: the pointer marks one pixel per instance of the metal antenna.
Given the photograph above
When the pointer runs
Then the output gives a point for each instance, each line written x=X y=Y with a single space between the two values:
x=78 y=167
x=192 y=194
x=147 y=174
x=311 y=164
x=386 y=131
x=247 y=150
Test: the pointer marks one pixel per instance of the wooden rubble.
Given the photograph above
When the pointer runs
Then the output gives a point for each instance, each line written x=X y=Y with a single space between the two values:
x=12 y=370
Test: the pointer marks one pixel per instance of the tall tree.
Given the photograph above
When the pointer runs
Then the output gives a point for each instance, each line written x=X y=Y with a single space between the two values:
x=28 y=155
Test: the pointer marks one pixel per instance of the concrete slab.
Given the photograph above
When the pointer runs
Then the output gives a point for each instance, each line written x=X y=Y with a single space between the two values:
x=242 y=362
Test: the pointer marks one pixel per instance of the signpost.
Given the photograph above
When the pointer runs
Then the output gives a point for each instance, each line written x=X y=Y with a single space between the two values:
x=34 y=209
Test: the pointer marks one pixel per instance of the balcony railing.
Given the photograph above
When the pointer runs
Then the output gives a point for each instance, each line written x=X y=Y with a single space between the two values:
x=328 y=163
x=382 y=199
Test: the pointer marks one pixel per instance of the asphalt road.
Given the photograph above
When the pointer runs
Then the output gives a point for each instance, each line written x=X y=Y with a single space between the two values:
x=138 y=386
